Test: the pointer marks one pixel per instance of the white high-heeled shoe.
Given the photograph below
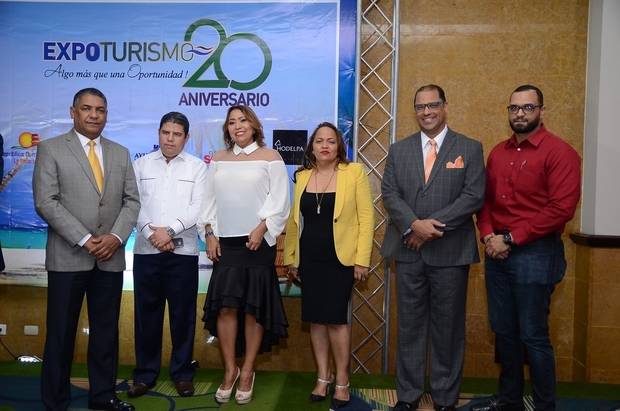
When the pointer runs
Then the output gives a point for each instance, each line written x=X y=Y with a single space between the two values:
x=243 y=397
x=221 y=395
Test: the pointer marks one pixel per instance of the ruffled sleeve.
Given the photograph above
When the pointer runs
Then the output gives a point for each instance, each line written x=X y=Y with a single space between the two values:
x=276 y=208
x=208 y=214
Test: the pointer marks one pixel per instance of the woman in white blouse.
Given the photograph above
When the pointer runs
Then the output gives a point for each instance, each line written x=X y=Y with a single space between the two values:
x=246 y=208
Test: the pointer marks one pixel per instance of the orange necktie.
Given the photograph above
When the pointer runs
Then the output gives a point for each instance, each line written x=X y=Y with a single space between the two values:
x=95 y=165
x=430 y=159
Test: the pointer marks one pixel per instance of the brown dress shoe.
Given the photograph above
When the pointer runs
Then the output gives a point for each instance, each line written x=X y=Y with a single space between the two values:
x=138 y=389
x=184 y=388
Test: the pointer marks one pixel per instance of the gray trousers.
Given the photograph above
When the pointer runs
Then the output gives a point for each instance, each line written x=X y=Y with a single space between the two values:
x=430 y=299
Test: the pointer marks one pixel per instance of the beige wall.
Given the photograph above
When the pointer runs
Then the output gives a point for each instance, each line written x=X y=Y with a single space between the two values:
x=478 y=51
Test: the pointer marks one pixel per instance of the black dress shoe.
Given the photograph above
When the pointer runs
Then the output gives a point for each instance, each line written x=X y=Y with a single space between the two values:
x=318 y=397
x=336 y=403
x=113 y=405
x=494 y=404
x=402 y=406
x=407 y=406
x=184 y=388
x=138 y=389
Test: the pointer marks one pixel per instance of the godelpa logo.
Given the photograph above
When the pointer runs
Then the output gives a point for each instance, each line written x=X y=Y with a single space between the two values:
x=291 y=145
x=143 y=53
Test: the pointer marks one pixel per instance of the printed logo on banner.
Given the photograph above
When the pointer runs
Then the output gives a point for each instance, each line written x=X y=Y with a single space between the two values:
x=291 y=145
x=214 y=59
x=27 y=140
x=20 y=155
x=137 y=53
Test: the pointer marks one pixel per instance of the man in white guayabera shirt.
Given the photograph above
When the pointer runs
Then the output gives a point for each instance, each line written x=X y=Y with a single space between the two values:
x=172 y=184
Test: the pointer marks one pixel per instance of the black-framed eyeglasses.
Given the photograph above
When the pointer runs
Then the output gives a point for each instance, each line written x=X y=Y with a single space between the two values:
x=527 y=108
x=435 y=105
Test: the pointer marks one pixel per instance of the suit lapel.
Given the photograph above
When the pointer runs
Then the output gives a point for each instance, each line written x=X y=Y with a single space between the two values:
x=442 y=157
x=418 y=155
x=75 y=147
x=107 y=161
x=341 y=187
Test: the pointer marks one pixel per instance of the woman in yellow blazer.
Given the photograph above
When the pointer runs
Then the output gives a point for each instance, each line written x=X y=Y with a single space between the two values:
x=328 y=244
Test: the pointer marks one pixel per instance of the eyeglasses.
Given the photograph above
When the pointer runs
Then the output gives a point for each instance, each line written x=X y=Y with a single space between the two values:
x=435 y=105
x=527 y=108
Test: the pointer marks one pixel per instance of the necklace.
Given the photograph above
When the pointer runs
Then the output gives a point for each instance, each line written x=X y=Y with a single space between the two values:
x=319 y=199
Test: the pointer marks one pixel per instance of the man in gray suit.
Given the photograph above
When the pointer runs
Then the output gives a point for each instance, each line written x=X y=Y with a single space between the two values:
x=88 y=196
x=433 y=182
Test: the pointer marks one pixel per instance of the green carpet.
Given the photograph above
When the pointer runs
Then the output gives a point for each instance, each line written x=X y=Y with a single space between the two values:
x=286 y=391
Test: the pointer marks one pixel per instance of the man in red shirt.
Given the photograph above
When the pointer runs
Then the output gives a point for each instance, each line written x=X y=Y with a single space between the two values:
x=533 y=187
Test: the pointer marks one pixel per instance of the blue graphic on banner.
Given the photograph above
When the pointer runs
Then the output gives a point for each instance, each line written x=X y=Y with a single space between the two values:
x=293 y=62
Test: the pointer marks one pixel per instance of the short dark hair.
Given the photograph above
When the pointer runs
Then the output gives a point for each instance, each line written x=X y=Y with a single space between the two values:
x=251 y=116
x=309 y=160
x=430 y=87
x=89 y=90
x=176 y=118
x=529 y=87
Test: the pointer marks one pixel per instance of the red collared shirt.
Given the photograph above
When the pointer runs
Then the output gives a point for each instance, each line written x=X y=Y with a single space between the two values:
x=532 y=188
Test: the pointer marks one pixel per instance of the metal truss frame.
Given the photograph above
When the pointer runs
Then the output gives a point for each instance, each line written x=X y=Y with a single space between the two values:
x=374 y=131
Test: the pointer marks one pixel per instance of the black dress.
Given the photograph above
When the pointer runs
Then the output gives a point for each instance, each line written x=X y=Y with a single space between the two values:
x=326 y=283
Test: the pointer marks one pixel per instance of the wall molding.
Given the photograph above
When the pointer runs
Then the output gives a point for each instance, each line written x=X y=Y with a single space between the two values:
x=596 y=241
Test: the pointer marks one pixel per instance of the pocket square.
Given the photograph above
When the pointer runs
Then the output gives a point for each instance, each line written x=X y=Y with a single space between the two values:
x=458 y=163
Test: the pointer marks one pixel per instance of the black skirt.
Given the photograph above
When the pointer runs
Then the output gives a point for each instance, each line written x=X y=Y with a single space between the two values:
x=247 y=281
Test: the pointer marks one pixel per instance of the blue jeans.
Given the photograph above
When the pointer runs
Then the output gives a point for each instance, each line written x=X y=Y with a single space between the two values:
x=519 y=292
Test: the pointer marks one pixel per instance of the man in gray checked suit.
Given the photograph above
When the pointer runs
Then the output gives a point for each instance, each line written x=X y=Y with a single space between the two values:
x=88 y=196
x=432 y=184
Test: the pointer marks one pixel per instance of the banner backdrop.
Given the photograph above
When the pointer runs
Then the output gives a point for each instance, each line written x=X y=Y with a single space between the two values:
x=292 y=61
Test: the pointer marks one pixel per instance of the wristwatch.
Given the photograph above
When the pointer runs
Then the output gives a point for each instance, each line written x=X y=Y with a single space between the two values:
x=171 y=232
x=209 y=233
x=508 y=238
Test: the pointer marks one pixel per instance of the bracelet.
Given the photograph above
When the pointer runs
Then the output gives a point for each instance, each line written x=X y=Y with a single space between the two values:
x=209 y=233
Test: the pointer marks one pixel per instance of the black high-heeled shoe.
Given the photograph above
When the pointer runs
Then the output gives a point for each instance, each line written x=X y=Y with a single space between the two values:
x=318 y=397
x=336 y=403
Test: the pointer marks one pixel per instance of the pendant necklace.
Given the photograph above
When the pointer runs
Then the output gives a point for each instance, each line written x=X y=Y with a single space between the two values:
x=319 y=199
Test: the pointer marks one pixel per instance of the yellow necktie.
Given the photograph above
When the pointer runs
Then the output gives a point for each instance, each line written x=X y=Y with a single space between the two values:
x=93 y=160
x=430 y=159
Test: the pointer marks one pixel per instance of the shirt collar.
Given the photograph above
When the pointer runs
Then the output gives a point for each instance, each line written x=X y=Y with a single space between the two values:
x=84 y=140
x=247 y=150
x=439 y=138
x=182 y=155
x=534 y=139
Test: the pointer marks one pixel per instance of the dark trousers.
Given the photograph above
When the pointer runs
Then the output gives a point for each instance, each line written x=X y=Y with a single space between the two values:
x=519 y=292
x=431 y=300
x=65 y=292
x=159 y=278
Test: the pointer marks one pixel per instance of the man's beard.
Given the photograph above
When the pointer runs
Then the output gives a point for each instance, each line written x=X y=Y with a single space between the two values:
x=524 y=128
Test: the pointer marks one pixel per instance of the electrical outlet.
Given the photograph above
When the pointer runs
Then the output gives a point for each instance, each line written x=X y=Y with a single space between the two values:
x=2 y=329
x=31 y=330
